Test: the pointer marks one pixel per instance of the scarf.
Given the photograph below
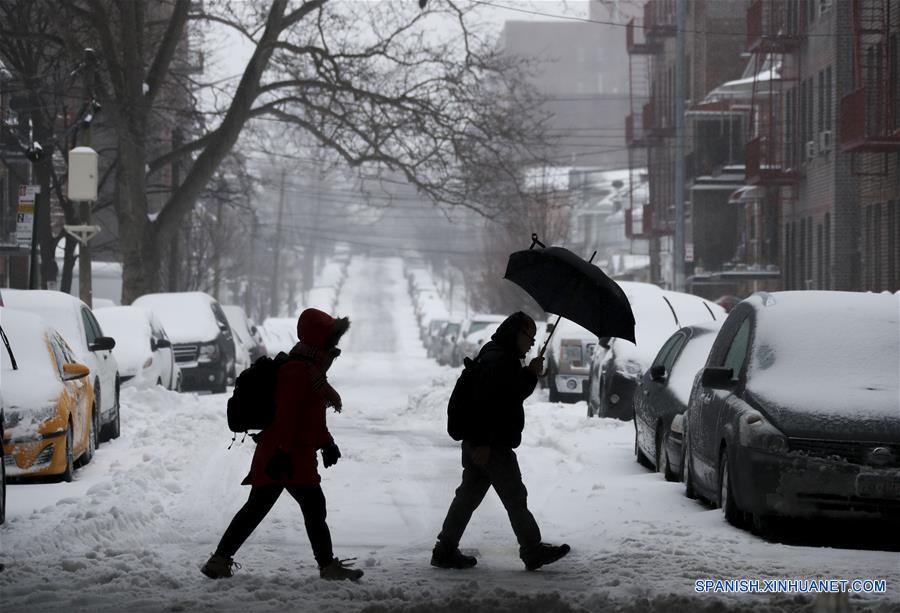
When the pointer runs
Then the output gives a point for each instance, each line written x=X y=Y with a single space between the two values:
x=319 y=381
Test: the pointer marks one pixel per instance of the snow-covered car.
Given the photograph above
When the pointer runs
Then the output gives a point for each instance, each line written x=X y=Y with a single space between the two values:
x=2 y=464
x=78 y=325
x=476 y=340
x=432 y=336
x=51 y=422
x=797 y=411
x=463 y=346
x=657 y=314
x=662 y=397
x=201 y=337
x=282 y=334
x=143 y=350
x=567 y=360
x=246 y=345
x=447 y=342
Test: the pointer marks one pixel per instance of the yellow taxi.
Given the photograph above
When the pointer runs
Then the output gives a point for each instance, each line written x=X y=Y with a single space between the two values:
x=51 y=425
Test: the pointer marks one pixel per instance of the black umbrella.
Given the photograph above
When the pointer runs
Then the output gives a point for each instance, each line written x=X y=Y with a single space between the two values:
x=565 y=284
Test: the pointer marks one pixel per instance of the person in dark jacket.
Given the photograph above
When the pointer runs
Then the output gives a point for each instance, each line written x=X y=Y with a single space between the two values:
x=285 y=456
x=488 y=458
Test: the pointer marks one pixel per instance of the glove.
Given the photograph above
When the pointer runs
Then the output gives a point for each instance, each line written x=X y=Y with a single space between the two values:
x=330 y=455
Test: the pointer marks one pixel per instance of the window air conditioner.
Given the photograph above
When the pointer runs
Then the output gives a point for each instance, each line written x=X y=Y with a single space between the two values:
x=826 y=140
x=811 y=149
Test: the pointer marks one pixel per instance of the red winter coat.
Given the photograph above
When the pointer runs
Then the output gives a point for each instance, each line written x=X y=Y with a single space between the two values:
x=299 y=428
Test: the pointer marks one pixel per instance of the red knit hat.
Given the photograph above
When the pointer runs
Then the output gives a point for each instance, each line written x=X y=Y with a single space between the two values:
x=319 y=329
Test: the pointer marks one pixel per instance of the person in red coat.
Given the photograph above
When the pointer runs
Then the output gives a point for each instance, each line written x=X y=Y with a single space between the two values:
x=285 y=456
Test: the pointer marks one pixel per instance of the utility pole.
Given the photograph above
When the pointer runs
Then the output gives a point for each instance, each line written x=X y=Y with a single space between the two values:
x=273 y=302
x=680 y=76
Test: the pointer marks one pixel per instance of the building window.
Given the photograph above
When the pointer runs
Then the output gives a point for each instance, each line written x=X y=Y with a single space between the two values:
x=809 y=253
x=867 y=250
x=801 y=259
x=788 y=254
x=820 y=116
x=893 y=249
x=827 y=250
x=820 y=264
x=894 y=77
x=877 y=247
x=829 y=100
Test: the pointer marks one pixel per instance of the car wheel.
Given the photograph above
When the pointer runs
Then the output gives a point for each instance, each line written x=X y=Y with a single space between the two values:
x=726 y=492
x=689 y=488
x=639 y=455
x=69 y=473
x=115 y=425
x=662 y=454
x=93 y=435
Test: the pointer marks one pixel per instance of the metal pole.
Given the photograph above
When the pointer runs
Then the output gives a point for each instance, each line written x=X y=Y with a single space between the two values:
x=680 y=76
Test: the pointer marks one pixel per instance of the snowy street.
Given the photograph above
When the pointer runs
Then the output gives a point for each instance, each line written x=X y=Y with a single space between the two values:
x=132 y=530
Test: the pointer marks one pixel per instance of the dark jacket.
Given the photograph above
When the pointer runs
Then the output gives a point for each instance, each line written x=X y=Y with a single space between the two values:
x=506 y=385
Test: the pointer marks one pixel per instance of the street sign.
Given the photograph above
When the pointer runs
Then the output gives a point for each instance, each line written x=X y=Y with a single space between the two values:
x=25 y=215
x=689 y=252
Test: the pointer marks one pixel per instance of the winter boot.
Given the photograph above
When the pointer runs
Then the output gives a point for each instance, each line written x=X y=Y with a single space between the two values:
x=542 y=554
x=447 y=557
x=218 y=567
x=337 y=570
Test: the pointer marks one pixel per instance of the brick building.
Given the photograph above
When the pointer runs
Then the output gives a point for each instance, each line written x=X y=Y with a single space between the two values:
x=826 y=144
x=713 y=133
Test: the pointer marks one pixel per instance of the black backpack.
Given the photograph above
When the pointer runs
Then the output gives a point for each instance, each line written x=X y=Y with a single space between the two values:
x=252 y=404
x=467 y=395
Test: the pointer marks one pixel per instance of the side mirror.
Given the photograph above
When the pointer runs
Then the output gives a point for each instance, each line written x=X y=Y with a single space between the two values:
x=658 y=372
x=163 y=343
x=72 y=372
x=253 y=330
x=717 y=378
x=452 y=338
x=604 y=342
x=102 y=343
x=550 y=328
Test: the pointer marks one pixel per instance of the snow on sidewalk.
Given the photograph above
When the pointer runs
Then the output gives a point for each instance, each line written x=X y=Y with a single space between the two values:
x=132 y=530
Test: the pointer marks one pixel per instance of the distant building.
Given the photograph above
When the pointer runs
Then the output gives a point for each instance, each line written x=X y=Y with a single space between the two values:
x=581 y=66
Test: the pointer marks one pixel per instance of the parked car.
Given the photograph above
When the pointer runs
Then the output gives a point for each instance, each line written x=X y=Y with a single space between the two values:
x=282 y=334
x=797 y=411
x=568 y=359
x=463 y=346
x=52 y=425
x=243 y=335
x=476 y=340
x=2 y=464
x=143 y=350
x=662 y=397
x=199 y=330
x=78 y=325
x=444 y=353
x=657 y=314
x=432 y=336
x=259 y=342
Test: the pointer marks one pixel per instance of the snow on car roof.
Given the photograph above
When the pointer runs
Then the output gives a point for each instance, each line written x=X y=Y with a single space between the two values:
x=36 y=382
x=61 y=310
x=816 y=348
x=186 y=316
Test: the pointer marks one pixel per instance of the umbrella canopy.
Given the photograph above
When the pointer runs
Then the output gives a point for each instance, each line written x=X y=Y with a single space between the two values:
x=567 y=285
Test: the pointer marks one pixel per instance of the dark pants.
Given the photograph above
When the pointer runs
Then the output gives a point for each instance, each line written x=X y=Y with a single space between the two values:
x=501 y=472
x=261 y=501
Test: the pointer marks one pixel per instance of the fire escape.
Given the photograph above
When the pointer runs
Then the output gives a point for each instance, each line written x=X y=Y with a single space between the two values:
x=870 y=114
x=645 y=127
x=775 y=29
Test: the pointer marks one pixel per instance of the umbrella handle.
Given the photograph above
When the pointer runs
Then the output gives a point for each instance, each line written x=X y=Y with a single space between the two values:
x=546 y=342
x=535 y=241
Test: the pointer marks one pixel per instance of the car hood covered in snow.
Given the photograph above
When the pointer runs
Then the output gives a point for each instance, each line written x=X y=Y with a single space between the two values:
x=826 y=364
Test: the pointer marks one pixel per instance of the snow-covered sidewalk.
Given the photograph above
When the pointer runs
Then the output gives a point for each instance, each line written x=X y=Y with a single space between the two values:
x=132 y=530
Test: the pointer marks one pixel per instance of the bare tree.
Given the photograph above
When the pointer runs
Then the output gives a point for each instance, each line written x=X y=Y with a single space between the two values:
x=366 y=80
